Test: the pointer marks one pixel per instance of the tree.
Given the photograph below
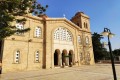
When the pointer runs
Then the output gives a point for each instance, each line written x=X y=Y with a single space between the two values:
x=116 y=54
x=98 y=49
x=10 y=9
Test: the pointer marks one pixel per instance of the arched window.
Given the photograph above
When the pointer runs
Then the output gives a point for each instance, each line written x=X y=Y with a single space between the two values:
x=86 y=25
x=19 y=26
x=37 y=56
x=88 y=57
x=79 y=39
x=87 y=40
x=17 y=56
x=81 y=56
x=62 y=34
x=78 y=24
x=88 y=54
x=37 y=32
x=56 y=34
x=68 y=36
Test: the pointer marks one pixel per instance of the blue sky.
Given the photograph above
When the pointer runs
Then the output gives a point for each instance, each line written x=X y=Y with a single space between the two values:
x=102 y=13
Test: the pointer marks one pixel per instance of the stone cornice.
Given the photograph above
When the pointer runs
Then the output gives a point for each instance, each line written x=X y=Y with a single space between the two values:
x=67 y=21
x=33 y=17
x=56 y=20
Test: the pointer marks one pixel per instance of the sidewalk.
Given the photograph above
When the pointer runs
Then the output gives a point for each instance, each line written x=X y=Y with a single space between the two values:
x=86 y=72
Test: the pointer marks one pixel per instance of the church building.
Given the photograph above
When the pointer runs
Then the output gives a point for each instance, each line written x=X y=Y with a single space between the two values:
x=51 y=42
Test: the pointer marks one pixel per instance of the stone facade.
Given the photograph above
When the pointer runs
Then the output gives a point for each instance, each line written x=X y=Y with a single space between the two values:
x=51 y=42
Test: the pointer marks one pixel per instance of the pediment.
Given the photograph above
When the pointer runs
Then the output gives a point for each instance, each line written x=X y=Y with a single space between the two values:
x=57 y=20
x=62 y=20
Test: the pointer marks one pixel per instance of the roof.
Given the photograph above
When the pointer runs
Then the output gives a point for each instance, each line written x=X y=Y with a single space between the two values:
x=54 y=19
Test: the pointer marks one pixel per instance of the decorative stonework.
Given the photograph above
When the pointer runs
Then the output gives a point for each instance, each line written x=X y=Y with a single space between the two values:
x=62 y=34
x=55 y=21
x=51 y=42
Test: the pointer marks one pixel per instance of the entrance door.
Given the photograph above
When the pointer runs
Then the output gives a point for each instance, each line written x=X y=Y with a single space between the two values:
x=63 y=58
x=55 y=59
x=70 y=58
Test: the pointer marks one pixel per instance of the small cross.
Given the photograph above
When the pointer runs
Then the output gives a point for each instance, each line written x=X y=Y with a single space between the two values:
x=64 y=15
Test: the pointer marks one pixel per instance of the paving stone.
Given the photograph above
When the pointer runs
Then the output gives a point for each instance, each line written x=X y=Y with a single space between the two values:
x=84 y=72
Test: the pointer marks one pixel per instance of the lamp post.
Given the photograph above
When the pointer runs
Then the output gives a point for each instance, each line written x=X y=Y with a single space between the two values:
x=108 y=33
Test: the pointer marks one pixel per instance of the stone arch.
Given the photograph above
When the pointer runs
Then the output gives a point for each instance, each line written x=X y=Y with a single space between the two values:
x=16 y=56
x=86 y=25
x=78 y=24
x=79 y=39
x=19 y=26
x=37 y=56
x=81 y=56
x=71 y=57
x=57 y=57
x=64 y=55
x=37 y=31
x=62 y=33
x=88 y=58
x=87 y=40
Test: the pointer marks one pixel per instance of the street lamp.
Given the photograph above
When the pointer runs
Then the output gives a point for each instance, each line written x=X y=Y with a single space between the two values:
x=108 y=33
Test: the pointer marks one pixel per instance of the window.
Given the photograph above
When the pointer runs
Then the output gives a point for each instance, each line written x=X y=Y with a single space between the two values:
x=56 y=34
x=78 y=24
x=17 y=56
x=37 y=56
x=68 y=36
x=81 y=56
x=87 y=40
x=79 y=39
x=37 y=32
x=19 y=26
x=88 y=57
x=84 y=25
x=62 y=34
x=88 y=54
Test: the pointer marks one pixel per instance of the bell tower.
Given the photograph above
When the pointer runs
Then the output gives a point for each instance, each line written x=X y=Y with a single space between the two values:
x=81 y=20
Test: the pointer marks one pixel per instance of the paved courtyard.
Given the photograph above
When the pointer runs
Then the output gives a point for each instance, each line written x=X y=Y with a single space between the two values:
x=93 y=72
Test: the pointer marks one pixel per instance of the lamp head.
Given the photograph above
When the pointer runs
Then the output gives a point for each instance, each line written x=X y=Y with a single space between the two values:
x=104 y=33
x=107 y=32
x=111 y=35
